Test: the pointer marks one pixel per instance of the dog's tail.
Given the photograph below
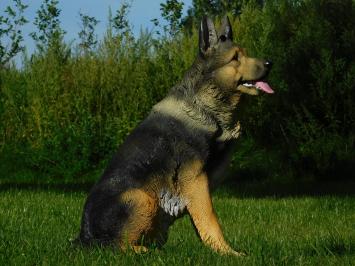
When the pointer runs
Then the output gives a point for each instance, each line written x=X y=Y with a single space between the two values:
x=101 y=223
x=85 y=237
x=79 y=242
x=82 y=240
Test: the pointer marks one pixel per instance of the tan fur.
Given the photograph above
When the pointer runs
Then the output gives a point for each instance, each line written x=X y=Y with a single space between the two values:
x=226 y=75
x=202 y=213
x=140 y=249
x=140 y=221
x=194 y=189
x=178 y=109
x=245 y=68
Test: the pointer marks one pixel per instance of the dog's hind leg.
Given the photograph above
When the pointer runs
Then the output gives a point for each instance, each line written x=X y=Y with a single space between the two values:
x=201 y=211
x=143 y=209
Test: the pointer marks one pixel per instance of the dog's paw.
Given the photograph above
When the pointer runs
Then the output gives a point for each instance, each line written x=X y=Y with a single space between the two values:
x=140 y=249
x=238 y=253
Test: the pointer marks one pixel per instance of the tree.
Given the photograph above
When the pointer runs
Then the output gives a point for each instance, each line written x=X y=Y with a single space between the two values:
x=88 y=39
x=215 y=8
x=120 y=22
x=171 y=11
x=10 y=29
x=48 y=24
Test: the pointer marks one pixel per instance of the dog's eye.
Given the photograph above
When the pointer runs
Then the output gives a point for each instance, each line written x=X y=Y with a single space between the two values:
x=235 y=57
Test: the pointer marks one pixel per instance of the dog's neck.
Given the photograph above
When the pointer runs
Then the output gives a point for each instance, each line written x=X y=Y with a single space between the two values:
x=184 y=104
x=198 y=80
x=194 y=118
x=181 y=103
x=191 y=81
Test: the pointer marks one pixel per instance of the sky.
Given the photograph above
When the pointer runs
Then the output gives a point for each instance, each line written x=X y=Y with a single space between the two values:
x=141 y=13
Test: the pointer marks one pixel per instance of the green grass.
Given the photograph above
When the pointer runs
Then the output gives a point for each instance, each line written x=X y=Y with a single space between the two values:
x=36 y=225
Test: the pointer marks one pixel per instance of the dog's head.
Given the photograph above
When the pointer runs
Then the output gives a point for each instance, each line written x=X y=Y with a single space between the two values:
x=228 y=65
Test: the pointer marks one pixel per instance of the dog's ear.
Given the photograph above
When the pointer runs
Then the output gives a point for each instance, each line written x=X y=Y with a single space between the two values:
x=225 y=30
x=207 y=35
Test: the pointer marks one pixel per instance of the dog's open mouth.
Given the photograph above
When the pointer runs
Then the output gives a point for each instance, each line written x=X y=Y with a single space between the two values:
x=260 y=85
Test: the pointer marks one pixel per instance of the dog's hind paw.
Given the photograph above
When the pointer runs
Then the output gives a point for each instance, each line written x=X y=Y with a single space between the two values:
x=140 y=249
x=238 y=253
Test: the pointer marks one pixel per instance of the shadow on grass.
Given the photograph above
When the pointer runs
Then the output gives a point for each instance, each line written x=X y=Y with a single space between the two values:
x=330 y=246
x=54 y=186
x=235 y=188
x=288 y=189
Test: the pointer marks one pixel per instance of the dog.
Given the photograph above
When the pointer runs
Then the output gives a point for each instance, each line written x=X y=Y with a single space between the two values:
x=162 y=169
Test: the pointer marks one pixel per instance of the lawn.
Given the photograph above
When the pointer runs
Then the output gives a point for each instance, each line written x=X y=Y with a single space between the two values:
x=36 y=224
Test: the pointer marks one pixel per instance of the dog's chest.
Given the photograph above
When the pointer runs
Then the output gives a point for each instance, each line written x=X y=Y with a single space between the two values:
x=173 y=205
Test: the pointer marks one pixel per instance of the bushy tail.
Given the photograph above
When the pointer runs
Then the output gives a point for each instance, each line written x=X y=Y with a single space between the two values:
x=85 y=238
x=81 y=242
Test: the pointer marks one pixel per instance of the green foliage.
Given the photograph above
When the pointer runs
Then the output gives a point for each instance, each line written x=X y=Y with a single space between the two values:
x=311 y=116
x=10 y=28
x=171 y=11
x=66 y=113
x=214 y=8
x=75 y=112
x=47 y=22
x=88 y=40
x=120 y=22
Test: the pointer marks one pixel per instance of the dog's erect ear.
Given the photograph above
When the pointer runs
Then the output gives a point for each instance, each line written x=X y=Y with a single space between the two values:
x=207 y=35
x=225 y=29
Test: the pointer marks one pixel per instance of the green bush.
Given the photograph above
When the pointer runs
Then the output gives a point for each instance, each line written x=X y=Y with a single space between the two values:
x=311 y=116
x=64 y=116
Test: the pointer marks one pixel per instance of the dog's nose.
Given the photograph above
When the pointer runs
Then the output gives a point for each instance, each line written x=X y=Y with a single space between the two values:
x=268 y=64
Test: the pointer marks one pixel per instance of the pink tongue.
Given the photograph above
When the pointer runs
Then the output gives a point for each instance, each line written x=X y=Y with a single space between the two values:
x=261 y=85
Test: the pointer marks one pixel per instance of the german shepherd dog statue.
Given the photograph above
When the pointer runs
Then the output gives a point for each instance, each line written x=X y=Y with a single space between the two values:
x=162 y=169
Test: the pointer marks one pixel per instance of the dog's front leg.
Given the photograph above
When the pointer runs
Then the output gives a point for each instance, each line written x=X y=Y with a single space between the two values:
x=199 y=205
